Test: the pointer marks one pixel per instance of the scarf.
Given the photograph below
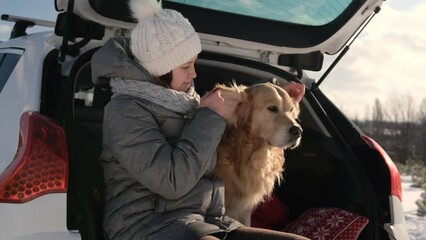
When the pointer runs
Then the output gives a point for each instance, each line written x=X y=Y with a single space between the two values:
x=181 y=102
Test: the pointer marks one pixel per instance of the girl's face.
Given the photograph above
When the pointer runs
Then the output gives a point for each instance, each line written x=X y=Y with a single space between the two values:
x=182 y=76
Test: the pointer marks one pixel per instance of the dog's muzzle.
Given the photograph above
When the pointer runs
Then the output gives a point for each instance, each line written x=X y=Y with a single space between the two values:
x=296 y=134
x=295 y=131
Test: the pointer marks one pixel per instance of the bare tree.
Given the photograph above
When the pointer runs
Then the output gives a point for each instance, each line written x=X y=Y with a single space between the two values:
x=378 y=117
x=367 y=112
x=421 y=143
x=402 y=116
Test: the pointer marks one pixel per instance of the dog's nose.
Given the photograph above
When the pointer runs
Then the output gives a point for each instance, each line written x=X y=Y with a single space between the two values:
x=296 y=131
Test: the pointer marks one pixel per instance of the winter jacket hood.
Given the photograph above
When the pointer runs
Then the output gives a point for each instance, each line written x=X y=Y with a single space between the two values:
x=115 y=59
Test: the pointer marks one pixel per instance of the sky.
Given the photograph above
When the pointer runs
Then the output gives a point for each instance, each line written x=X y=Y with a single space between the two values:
x=386 y=62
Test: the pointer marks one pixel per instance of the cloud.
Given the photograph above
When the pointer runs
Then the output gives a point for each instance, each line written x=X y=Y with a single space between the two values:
x=4 y=31
x=388 y=57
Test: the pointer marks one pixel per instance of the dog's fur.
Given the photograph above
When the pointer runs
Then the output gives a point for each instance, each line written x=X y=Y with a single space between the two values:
x=251 y=152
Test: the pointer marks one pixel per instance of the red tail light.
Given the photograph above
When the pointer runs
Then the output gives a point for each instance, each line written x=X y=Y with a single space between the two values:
x=396 y=189
x=40 y=165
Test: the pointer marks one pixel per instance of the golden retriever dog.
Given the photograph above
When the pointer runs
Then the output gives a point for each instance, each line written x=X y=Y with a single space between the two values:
x=251 y=152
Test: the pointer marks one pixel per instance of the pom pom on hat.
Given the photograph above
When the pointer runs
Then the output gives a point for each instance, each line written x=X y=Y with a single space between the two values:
x=163 y=39
x=144 y=8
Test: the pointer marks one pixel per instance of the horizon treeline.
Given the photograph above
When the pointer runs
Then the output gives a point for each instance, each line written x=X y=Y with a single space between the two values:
x=399 y=126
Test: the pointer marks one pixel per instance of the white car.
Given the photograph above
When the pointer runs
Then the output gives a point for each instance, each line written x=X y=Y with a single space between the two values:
x=51 y=121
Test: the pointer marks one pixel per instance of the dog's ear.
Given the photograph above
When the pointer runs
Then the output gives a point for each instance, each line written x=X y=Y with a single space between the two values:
x=295 y=90
x=243 y=110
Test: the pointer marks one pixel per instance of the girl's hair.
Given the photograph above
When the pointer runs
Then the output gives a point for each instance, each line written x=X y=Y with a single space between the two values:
x=165 y=80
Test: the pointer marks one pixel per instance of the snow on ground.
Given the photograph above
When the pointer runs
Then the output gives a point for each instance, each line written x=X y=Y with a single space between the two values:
x=416 y=225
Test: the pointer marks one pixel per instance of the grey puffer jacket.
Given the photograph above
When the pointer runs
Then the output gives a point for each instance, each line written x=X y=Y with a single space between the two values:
x=156 y=161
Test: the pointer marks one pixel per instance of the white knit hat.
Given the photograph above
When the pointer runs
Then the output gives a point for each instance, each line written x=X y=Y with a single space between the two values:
x=163 y=39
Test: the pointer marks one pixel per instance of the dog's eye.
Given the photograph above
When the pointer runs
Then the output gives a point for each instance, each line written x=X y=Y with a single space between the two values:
x=273 y=109
x=298 y=121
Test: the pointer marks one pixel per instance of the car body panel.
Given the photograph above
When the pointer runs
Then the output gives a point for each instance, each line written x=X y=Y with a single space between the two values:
x=28 y=90
x=40 y=219
x=397 y=228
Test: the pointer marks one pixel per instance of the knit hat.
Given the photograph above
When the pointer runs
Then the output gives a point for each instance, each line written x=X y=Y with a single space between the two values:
x=163 y=39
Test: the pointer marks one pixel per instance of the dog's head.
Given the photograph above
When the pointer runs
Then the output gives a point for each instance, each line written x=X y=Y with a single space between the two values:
x=268 y=112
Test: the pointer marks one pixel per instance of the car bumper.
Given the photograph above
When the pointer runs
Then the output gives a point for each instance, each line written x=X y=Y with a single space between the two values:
x=397 y=229
x=42 y=218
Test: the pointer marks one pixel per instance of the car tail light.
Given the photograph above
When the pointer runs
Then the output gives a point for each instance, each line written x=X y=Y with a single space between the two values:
x=40 y=165
x=396 y=189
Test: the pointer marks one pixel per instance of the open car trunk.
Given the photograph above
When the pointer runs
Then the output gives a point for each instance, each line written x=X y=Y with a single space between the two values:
x=328 y=170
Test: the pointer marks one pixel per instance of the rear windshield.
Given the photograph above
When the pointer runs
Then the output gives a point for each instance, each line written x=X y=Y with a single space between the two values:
x=305 y=12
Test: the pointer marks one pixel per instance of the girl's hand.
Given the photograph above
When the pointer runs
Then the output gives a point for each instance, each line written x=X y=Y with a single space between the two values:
x=215 y=101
